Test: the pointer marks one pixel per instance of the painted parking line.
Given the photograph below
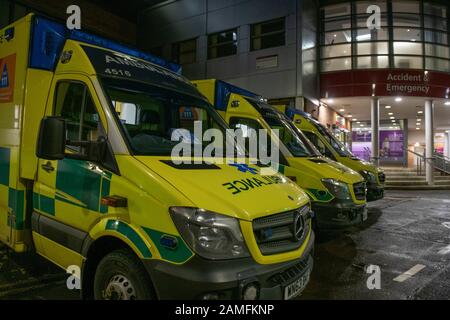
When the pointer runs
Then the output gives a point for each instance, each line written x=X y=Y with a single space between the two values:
x=408 y=274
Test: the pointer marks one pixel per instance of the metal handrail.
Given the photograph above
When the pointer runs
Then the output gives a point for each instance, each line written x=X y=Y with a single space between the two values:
x=440 y=155
x=420 y=161
x=442 y=163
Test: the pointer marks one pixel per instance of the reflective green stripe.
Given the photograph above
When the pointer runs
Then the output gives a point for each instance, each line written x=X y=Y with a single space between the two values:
x=130 y=234
x=76 y=179
x=321 y=195
x=178 y=255
x=4 y=166
x=44 y=204
x=16 y=201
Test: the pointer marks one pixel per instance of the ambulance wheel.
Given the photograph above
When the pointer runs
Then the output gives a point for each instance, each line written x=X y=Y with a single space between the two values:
x=121 y=276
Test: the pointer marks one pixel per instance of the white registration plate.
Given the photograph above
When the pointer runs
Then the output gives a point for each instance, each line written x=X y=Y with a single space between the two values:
x=292 y=290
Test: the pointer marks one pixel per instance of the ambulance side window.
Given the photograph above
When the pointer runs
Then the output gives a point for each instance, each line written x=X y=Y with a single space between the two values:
x=250 y=130
x=74 y=103
x=319 y=144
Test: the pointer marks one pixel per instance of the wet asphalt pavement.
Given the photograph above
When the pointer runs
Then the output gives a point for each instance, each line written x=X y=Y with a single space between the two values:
x=405 y=230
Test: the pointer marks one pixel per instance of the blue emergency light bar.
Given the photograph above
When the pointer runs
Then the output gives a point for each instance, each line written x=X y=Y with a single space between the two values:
x=223 y=91
x=290 y=112
x=48 y=38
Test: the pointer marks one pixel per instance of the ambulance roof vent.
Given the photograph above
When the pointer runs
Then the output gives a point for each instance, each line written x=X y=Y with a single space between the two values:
x=48 y=38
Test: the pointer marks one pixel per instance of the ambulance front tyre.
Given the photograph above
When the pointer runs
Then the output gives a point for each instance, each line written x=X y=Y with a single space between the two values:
x=121 y=276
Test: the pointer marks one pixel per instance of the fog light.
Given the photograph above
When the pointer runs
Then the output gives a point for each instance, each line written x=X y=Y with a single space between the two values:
x=250 y=292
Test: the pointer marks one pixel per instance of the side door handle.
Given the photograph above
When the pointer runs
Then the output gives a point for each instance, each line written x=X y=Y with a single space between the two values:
x=48 y=167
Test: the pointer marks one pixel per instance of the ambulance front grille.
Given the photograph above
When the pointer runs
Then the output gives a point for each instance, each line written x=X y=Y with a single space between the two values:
x=282 y=232
x=381 y=177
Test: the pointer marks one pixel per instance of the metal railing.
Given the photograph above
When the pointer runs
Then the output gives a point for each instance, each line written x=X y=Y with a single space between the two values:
x=440 y=162
x=420 y=161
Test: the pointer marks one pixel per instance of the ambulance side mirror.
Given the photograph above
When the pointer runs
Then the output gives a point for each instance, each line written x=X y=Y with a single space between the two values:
x=51 y=142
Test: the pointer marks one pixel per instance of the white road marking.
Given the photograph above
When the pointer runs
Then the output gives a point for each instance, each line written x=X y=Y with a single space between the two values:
x=446 y=224
x=408 y=274
x=445 y=250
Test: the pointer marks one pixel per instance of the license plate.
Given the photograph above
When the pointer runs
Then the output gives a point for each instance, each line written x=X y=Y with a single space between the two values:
x=294 y=289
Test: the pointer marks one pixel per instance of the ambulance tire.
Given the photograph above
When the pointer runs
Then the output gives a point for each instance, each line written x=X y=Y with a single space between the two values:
x=124 y=275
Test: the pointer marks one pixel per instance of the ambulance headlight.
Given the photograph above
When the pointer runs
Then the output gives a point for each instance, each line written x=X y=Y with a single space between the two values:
x=210 y=235
x=337 y=188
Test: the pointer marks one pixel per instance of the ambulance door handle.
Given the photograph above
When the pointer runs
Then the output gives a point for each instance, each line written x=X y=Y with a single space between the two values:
x=48 y=167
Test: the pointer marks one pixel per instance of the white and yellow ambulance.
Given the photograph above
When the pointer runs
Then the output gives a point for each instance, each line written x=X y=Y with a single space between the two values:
x=87 y=178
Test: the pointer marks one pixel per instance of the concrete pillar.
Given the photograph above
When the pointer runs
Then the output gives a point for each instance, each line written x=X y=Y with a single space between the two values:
x=429 y=141
x=375 y=120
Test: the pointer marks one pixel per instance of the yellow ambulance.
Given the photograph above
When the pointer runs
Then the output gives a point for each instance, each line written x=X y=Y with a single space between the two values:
x=88 y=180
x=338 y=194
x=332 y=148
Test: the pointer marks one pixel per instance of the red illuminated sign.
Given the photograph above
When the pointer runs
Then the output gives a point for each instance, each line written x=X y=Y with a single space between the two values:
x=385 y=82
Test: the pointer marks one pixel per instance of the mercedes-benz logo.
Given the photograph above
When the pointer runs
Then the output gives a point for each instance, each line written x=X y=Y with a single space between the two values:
x=298 y=226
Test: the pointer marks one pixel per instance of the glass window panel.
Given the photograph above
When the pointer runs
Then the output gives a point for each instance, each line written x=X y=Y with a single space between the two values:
x=340 y=50
x=437 y=64
x=268 y=34
x=435 y=10
x=436 y=36
x=406 y=20
x=437 y=50
x=407 y=34
x=372 y=62
x=361 y=6
x=222 y=44
x=185 y=52
x=405 y=6
x=408 y=48
x=368 y=35
x=405 y=62
x=372 y=48
x=361 y=21
x=435 y=23
x=336 y=64
x=337 y=37
x=337 y=24
x=336 y=10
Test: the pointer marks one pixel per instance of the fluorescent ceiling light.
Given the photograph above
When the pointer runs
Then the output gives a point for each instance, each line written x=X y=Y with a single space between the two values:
x=447 y=103
x=398 y=99
x=388 y=107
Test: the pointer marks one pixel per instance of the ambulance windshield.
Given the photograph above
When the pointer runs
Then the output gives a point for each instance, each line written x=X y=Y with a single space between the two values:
x=151 y=116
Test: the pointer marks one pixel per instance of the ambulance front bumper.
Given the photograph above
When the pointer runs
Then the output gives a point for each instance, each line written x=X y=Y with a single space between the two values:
x=338 y=215
x=227 y=279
